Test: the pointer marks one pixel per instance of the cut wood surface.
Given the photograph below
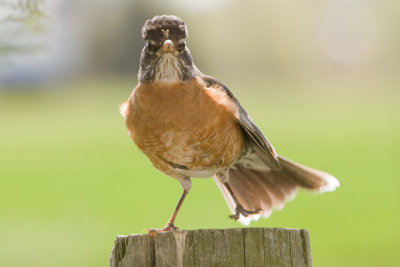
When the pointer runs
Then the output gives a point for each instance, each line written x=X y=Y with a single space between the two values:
x=215 y=247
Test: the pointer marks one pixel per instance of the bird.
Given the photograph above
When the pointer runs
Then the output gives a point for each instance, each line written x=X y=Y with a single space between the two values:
x=190 y=125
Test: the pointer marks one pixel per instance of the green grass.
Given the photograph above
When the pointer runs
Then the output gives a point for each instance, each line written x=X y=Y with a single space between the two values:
x=71 y=180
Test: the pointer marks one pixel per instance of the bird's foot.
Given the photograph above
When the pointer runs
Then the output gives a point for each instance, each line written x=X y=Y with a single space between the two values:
x=169 y=227
x=240 y=210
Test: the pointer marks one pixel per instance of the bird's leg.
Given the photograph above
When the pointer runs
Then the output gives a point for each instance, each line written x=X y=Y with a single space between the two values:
x=239 y=208
x=170 y=224
x=186 y=184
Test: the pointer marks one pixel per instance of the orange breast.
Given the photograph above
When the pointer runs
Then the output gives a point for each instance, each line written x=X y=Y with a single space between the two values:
x=184 y=124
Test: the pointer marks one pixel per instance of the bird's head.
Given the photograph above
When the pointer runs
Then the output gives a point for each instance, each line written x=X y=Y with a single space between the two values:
x=165 y=56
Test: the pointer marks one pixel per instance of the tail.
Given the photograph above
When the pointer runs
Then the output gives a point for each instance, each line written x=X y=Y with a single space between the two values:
x=256 y=186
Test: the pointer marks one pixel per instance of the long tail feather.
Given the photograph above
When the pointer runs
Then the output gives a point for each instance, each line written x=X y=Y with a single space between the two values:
x=256 y=186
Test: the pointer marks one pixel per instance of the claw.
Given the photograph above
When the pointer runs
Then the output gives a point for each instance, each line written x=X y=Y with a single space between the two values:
x=167 y=228
x=240 y=210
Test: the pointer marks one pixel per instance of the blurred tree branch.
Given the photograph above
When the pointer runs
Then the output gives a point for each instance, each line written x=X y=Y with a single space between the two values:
x=20 y=20
x=21 y=9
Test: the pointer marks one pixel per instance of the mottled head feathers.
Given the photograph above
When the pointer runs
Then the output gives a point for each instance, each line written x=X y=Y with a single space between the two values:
x=165 y=56
x=164 y=27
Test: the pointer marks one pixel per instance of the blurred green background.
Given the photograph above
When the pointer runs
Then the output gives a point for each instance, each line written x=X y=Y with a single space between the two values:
x=320 y=78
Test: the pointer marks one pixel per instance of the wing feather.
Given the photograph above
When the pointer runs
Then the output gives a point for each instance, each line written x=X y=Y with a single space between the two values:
x=254 y=136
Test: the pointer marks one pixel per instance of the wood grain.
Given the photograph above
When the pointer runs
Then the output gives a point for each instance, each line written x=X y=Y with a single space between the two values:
x=215 y=247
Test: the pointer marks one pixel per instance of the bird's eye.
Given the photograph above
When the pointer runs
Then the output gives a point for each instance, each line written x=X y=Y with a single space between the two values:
x=149 y=47
x=181 y=46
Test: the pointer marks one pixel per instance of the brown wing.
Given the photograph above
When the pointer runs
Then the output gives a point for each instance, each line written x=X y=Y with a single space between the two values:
x=254 y=136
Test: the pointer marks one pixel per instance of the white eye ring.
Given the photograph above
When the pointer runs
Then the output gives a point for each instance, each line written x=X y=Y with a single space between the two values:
x=181 y=45
x=149 y=47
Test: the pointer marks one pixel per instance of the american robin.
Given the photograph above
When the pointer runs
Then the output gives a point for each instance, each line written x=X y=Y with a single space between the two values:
x=189 y=124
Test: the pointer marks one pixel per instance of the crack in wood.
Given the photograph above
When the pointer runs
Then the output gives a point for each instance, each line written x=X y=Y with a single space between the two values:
x=212 y=247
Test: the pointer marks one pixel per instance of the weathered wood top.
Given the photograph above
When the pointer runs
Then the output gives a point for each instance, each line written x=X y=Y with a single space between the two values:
x=215 y=247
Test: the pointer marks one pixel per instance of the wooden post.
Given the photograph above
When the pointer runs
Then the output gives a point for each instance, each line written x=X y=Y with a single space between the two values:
x=249 y=247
